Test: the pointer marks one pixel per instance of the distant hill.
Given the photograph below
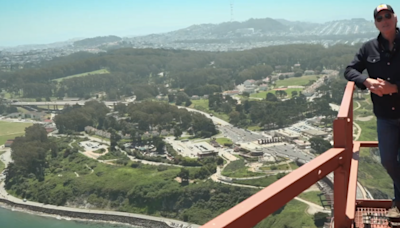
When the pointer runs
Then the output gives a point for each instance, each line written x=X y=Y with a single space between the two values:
x=267 y=27
x=96 y=41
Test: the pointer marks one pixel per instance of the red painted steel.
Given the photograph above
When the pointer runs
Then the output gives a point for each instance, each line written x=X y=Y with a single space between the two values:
x=368 y=143
x=342 y=160
x=352 y=187
x=254 y=209
x=345 y=108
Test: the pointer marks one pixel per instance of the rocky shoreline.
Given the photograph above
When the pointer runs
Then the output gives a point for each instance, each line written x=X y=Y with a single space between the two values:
x=86 y=216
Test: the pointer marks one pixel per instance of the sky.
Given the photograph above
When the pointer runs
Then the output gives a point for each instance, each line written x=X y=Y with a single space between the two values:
x=48 y=21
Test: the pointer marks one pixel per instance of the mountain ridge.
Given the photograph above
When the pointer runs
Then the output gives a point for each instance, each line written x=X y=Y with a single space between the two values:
x=252 y=30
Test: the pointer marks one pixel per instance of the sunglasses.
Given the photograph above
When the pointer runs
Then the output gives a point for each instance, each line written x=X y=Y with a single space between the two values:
x=380 y=17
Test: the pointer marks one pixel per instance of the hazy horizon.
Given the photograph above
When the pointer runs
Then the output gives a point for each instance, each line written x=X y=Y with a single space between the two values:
x=45 y=21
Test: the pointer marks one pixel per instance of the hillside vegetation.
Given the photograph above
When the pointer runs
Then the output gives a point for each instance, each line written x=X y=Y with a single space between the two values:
x=145 y=72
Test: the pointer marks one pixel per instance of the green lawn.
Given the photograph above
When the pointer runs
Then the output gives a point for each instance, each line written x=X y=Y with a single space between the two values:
x=314 y=197
x=101 y=71
x=371 y=173
x=11 y=130
x=264 y=94
x=280 y=167
x=99 y=137
x=2 y=165
x=254 y=128
x=260 y=182
x=296 y=81
x=238 y=169
x=222 y=141
x=202 y=105
x=292 y=215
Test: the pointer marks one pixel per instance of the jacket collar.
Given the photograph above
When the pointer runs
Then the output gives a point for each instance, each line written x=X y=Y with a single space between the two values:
x=385 y=43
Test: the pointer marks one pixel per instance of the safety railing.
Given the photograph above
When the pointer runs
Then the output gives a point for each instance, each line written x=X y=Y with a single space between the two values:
x=342 y=160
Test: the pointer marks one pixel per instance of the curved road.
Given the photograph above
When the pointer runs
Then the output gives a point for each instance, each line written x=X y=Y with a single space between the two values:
x=6 y=158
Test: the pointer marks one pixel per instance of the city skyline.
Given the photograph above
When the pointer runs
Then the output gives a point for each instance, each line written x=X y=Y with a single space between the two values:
x=45 y=21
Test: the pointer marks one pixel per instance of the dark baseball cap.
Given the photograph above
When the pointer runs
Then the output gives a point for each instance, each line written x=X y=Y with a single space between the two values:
x=381 y=8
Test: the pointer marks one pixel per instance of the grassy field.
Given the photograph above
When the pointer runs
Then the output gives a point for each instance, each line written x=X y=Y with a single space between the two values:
x=293 y=166
x=101 y=71
x=254 y=128
x=291 y=215
x=11 y=130
x=261 y=182
x=99 y=137
x=264 y=94
x=202 y=105
x=314 y=197
x=222 y=141
x=299 y=81
x=238 y=169
x=2 y=165
x=371 y=173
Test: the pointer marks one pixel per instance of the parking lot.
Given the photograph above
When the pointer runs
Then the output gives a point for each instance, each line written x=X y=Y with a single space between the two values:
x=92 y=146
x=239 y=135
x=302 y=126
x=287 y=150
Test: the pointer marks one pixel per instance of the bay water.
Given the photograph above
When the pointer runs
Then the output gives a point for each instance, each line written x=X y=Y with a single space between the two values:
x=17 y=219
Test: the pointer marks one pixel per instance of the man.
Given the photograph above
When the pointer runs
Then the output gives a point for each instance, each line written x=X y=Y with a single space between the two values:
x=381 y=58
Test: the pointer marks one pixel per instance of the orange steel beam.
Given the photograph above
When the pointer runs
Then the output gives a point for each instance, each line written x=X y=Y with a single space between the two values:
x=352 y=188
x=343 y=138
x=345 y=108
x=368 y=143
x=255 y=208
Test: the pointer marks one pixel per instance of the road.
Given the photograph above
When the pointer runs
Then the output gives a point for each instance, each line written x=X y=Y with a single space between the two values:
x=215 y=120
x=6 y=158
x=62 y=103
x=312 y=207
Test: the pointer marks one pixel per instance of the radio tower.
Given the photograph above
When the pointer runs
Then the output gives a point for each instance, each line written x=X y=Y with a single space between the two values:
x=231 y=10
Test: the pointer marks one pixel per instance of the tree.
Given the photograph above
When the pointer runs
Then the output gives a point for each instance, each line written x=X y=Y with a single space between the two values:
x=184 y=175
x=114 y=139
x=177 y=132
x=320 y=219
x=271 y=97
x=188 y=103
x=319 y=145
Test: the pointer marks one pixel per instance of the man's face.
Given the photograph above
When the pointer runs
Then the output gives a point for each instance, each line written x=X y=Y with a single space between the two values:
x=386 y=21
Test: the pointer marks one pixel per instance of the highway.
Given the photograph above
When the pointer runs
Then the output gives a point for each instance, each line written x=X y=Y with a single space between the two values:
x=62 y=103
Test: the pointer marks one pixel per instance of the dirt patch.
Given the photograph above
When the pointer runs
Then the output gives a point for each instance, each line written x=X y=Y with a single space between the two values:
x=93 y=155
x=179 y=180
x=364 y=119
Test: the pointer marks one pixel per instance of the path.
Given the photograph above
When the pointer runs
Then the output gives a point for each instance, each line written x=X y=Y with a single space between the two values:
x=358 y=106
x=358 y=134
x=218 y=177
x=91 y=170
x=312 y=207
x=5 y=195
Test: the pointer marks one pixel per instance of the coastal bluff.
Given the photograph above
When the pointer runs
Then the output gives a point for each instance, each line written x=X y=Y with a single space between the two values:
x=98 y=216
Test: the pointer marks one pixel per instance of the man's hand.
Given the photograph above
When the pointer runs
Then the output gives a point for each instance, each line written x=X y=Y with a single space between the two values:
x=387 y=87
x=374 y=86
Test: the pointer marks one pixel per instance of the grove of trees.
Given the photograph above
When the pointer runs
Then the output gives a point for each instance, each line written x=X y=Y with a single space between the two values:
x=145 y=72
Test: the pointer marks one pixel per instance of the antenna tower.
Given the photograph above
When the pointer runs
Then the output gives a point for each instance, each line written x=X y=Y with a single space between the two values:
x=231 y=10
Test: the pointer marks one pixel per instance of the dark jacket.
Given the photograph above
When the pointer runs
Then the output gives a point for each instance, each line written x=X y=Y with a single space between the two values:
x=380 y=62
